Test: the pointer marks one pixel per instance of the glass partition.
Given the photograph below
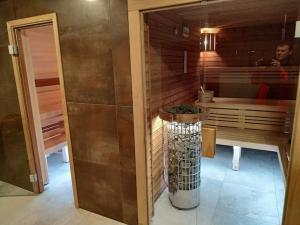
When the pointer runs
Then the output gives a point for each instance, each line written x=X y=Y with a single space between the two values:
x=240 y=60
x=14 y=168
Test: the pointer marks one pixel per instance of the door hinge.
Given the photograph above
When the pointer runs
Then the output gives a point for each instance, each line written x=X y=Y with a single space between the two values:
x=13 y=50
x=33 y=178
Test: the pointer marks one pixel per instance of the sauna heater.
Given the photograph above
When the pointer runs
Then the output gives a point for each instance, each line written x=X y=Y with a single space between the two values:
x=183 y=164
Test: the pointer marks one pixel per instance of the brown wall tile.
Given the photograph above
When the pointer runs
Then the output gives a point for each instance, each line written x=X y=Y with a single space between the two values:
x=120 y=52
x=13 y=158
x=122 y=73
x=127 y=158
x=99 y=188
x=126 y=138
x=129 y=197
x=94 y=133
x=88 y=69
x=7 y=13
x=74 y=16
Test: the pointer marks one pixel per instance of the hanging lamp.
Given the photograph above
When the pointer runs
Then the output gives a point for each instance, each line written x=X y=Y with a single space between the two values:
x=208 y=39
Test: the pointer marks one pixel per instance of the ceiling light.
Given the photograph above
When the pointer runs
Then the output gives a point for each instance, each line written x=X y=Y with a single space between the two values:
x=208 y=39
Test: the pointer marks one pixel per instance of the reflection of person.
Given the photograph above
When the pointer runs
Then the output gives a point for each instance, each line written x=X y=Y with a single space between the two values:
x=278 y=89
x=284 y=53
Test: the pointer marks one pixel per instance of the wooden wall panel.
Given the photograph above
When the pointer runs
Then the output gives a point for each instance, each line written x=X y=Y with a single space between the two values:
x=169 y=85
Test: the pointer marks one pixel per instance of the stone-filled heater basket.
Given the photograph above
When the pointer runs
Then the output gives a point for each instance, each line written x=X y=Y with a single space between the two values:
x=183 y=156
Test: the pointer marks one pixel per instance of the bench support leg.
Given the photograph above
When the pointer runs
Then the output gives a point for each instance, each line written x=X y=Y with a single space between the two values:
x=237 y=150
x=65 y=154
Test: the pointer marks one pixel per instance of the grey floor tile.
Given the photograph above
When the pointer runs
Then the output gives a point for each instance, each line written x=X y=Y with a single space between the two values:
x=244 y=201
x=279 y=187
x=251 y=196
x=222 y=218
x=256 y=171
x=210 y=192
x=262 y=160
x=12 y=190
x=223 y=158
x=205 y=215
x=255 y=178
x=209 y=196
x=214 y=169
x=166 y=214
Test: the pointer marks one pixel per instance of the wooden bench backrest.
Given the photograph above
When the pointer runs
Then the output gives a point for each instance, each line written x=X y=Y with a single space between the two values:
x=248 y=75
x=244 y=114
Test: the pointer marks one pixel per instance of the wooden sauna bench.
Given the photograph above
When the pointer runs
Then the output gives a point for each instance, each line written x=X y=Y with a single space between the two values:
x=252 y=123
x=53 y=131
x=51 y=116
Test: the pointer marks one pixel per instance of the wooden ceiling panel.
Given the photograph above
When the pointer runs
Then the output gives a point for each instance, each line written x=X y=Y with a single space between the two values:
x=236 y=13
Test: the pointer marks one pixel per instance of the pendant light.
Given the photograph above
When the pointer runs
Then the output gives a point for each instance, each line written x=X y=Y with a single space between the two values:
x=208 y=39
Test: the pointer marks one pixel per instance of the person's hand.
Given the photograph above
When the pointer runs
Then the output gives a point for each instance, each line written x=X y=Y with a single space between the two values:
x=275 y=62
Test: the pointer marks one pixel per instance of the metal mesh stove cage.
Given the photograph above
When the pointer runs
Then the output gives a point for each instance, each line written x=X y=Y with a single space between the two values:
x=184 y=164
x=183 y=155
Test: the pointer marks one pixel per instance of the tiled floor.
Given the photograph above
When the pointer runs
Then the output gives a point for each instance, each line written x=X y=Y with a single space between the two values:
x=251 y=196
x=12 y=190
x=53 y=207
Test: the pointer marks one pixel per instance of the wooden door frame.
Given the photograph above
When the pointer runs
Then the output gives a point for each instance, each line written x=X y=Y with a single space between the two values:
x=136 y=9
x=33 y=155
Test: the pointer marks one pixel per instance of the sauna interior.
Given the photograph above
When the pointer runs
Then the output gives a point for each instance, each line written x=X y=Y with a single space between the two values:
x=248 y=55
x=43 y=98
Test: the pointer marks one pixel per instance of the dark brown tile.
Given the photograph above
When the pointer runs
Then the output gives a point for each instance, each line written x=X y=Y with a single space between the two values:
x=119 y=20
x=11 y=107
x=130 y=216
x=88 y=70
x=94 y=133
x=99 y=189
x=122 y=73
x=71 y=17
x=7 y=14
x=82 y=14
x=14 y=167
x=126 y=138
x=129 y=198
x=121 y=52
x=7 y=79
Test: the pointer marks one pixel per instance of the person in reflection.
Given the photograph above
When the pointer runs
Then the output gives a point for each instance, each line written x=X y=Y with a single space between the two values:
x=279 y=88
x=283 y=56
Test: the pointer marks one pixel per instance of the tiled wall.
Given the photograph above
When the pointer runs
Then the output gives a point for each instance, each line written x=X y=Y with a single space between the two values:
x=96 y=65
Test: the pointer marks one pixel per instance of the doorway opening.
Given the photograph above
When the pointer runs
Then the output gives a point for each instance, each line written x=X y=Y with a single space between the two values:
x=34 y=46
x=191 y=52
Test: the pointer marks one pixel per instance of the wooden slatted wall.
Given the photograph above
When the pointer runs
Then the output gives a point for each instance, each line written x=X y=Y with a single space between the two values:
x=44 y=64
x=169 y=84
x=231 y=71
